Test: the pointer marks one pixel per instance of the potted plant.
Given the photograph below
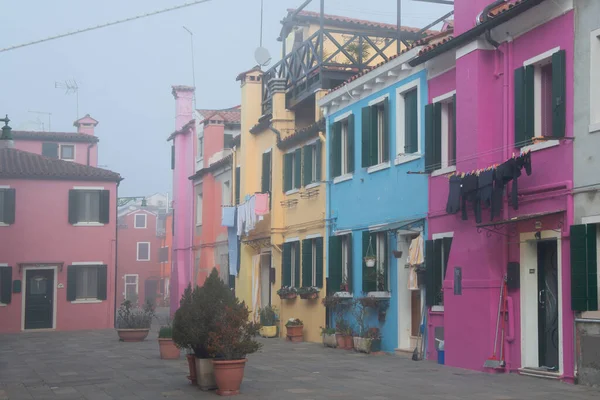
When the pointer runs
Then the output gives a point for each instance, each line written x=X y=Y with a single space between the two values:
x=268 y=322
x=308 y=292
x=182 y=333
x=374 y=334
x=168 y=349
x=133 y=324
x=230 y=341
x=370 y=258
x=341 y=327
x=287 y=292
x=294 y=329
x=348 y=338
x=329 y=339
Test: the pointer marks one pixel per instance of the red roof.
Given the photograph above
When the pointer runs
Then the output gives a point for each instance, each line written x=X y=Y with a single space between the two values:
x=54 y=136
x=19 y=164
x=231 y=115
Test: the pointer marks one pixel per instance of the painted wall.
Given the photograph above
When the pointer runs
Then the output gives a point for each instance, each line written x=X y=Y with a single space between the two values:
x=485 y=136
x=386 y=196
x=42 y=234
x=128 y=264
x=81 y=149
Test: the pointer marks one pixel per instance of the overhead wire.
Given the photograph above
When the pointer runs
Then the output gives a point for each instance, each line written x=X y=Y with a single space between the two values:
x=92 y=28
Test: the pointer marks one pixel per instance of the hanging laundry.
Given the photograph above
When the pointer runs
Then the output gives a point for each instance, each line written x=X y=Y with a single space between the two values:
x=232 y=248
x=228 y=216
x=241 y=218
x=486 y=188
x=262 y=204
x=453 y=204
x=415 y=251
x=250 y=211
x=470 y=192
x=413 y=279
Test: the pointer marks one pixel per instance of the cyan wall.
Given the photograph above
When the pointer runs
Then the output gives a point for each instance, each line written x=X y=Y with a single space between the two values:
x=380 y=197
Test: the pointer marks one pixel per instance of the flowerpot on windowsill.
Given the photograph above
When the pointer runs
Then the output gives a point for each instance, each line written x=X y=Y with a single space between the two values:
x=370 y=261
x=309 y=296
x=289 y=296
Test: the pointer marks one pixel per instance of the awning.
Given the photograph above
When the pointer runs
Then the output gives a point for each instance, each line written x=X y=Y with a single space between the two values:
x=520 y=218
x=399 y=225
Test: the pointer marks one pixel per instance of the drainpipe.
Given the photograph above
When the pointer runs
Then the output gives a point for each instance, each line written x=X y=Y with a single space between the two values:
x=88 y=152
x=116 y=247
x=484 y=17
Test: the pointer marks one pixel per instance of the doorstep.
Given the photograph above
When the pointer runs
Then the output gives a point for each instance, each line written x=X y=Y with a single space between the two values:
x=539 y=373
x=405 y=352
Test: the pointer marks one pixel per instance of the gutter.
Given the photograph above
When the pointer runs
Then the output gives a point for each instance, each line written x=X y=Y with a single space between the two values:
x=88 y=152
x=486 y=18
x=477 y=31
x=116 y=253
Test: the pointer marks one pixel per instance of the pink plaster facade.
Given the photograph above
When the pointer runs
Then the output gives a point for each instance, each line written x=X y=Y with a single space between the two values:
x=484 y=84
x=42 y=234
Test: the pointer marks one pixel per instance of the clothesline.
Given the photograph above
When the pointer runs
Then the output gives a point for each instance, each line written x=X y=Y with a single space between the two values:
x=479 y=170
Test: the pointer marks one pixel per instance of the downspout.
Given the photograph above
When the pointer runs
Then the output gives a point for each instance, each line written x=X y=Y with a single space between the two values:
x=88 y=152
x=277 y=133
x=116 y=247
x=484 y=17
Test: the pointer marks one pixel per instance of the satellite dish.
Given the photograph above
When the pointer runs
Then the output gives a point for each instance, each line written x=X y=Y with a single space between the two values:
x=262 y=56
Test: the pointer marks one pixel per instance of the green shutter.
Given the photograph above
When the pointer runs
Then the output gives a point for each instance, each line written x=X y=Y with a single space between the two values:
x=238 y=171
x=266 y=173
x=286 y=265
x=319 y=262
x=102 y=282
x=438 y=270
x=386 y=130
x=437 y=135
x=369 y=283
x=366 y=137
x=447 y=244
x=307 y=152
x=373 y=136
x=334 y=257
x=297 y=261
x=350 y=142
x=519 y=106
x=307 y=262
x=386 y=261
x=50 y=150
x=454 y=134
x=71 y=283
x=411 y=122
x=9 y=206
x=429 y=138
x=350 y=263
x=579 y=274
x=592 y=267
x=319 y=162
x=5 y=285
x=298 y=168
x=288 y=161
x=529 y=103
x=73 y=207
x=336 y=150
x=172 y=156
x=104 y=207
x=430 y=293
x=559 y=87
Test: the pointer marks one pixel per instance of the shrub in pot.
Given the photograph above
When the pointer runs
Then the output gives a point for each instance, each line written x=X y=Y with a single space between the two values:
x=230 y=341
x=294 y=329
x=168 y=349
x=329 y=339
x=268 y=321
x=374 y=334
x=133 y=323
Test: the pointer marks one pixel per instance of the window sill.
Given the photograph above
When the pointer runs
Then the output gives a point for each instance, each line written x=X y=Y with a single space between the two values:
x=379 y=295
x=444 y=171
x=140 y=227
x=343 y=178
x=88 y=224
x=293 y=191
x=546 y=144
x=90 y=301
x=3 y=224
x=143 y=260
x=312 y=185
x=3 y=305
x=343 y=295
x=405 y=158
x=437 y=308
x=595 y=128
x=378 y=167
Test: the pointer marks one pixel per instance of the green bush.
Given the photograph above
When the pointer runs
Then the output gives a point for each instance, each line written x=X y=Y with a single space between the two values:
x=130 y=317
x=165 y=332
x=268 y=316
x=232 y=337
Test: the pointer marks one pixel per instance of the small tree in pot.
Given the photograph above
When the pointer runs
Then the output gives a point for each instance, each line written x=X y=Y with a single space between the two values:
x=268 y=321
x=133 y=324
x=183 y=330
x=168 y=349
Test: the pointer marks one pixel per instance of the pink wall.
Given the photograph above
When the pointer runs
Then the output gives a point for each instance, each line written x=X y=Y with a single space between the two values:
x=466 y=12
x=213 y=140
x=485 y=127
x=127 y=255
x=81 y=149
x=42 y=234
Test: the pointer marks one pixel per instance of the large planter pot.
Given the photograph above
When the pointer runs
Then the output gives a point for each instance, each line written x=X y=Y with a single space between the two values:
x=329 y=341
x=191 y=359
x=133 y=335
x=349 y=342
x=294 y=333
x=289 y=296
x=362 y=345
x=205 y=374
x=268 y=331
x=340 y=340
x=229 y=375
x=168 y=350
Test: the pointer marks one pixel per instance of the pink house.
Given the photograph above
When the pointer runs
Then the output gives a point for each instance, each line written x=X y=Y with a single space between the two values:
x=501 y=85
x=57 y=242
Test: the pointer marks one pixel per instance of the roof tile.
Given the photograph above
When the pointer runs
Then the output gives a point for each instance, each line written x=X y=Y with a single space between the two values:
x=54 y=136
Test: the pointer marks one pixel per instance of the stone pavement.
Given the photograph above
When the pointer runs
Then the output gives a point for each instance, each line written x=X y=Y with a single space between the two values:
x=94 y=365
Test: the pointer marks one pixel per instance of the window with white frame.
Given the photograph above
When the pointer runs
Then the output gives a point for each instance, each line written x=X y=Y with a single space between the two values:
x=346 y=262
x=311 y=163
x=290 y=266
x=295 y=252
x=408 y=124
x=67 y=152
x=199 y=209
x=143 y=251
x=376 y=278
x=140 y=221
x=594 y=81
x=437 y=253
x=89 y=206
x=87 y=283
x=342 y=143
x=375 y=133
x=440 y=132
x=200 y=146
x=292 y=170
x=131 y=287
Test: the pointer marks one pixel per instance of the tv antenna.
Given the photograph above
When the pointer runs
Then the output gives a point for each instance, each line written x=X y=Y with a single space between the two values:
x=193 y=65
x=71 y=87
x=49 y=114
x=261 y=54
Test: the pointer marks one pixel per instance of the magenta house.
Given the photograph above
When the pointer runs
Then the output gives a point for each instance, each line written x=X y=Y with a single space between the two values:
x=498 y=148
x=57 y=242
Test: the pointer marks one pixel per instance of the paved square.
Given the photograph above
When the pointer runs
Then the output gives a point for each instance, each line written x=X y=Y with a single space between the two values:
x=94 y=365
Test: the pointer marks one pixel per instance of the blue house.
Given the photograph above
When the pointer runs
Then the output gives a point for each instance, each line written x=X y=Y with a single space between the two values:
x=377 y=197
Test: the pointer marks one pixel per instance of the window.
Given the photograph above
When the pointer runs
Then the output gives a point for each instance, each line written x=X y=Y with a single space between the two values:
x=585 y=242
x=440 y=133
x=437 y=252
x=408 y=122
x=238 y=172
x=67 y=152
x=375 y=134
x=290 y=264
x=340 y=264
x=50 y=150
x=163 y=255
x=312 y=163
x=5 y=284
x=342 y=143
x=312 y=262
x=143 y=251
x=594 y=81
x=86 y=282
x=140 y=221
x=376 y=278
x=228 y=141
x=7 y=206
x=200 y=147
x=292 y=170
x=265 y=185
x=540 y=91
x=226 y=193
x=199 y=209
x=89 y=206
x=131 y=288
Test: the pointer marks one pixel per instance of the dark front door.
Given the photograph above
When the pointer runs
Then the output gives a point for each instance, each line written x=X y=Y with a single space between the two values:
x=150 y=291
x=39 y=298
x=548 y=328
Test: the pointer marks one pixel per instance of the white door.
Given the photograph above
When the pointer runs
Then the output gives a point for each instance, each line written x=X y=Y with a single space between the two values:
x=265 y=280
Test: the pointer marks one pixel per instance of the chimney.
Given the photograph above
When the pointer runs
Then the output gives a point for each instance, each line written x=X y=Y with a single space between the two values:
x=86 y=125
x=6 y=139
x=184 y=99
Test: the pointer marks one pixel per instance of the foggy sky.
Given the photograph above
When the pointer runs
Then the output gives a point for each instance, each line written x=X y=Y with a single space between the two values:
x=125 y=72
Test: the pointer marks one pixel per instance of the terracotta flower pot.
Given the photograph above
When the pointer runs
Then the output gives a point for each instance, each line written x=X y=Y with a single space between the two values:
x=168 y=350
x=191 y=359
x=341 y=342
x=229 y=375
x=289 y=296
x=133 y=335
x=309 y=296
x=294 y=333
x=349 y=342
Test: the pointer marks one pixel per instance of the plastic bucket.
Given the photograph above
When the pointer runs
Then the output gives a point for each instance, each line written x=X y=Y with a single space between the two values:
x=440 y=355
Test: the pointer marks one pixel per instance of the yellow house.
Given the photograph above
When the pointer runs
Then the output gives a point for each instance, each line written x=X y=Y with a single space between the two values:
x=282 y=152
